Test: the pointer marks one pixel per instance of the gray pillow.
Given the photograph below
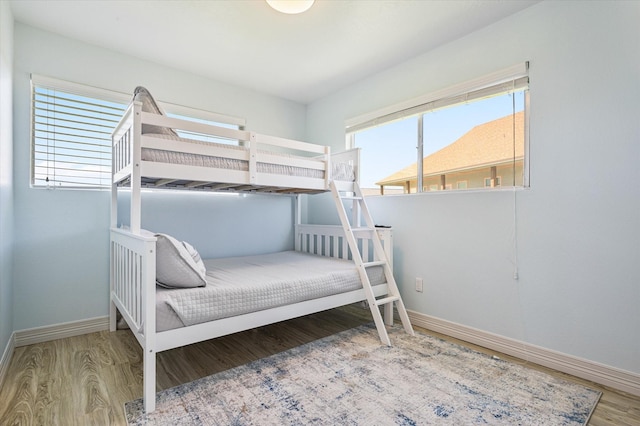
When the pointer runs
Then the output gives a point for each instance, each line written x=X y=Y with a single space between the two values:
x=149 y=104
x=176 y=266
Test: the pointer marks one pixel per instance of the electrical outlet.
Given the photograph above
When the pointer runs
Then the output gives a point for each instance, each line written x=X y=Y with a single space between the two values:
x=419 y=285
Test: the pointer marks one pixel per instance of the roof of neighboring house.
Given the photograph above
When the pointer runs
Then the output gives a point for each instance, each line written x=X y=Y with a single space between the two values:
x=486 y=144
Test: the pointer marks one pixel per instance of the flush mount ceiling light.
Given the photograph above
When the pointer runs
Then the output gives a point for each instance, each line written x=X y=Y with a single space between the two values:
x=291 y=7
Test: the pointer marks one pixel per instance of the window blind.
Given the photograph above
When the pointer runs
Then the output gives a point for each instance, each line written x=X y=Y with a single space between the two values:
x=511 y=79
x=71 y=137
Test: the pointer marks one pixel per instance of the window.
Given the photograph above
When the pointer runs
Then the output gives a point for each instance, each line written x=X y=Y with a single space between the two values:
x=72 y=126
x=71 y=134
x=492 y=182
x=470 y=136
x=206 y=117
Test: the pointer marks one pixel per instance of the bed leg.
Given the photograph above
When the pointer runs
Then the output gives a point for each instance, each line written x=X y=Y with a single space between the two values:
x=112 y=316
x=149 y=381
x=388 y=313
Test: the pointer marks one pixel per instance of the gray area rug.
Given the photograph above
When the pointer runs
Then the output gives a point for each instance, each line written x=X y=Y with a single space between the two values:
x=351 y=379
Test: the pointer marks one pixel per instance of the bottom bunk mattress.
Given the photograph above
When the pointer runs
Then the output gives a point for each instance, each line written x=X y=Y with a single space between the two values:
x=239 y=285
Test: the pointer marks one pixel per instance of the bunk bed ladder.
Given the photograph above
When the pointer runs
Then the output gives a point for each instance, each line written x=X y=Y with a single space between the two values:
x=353 y=227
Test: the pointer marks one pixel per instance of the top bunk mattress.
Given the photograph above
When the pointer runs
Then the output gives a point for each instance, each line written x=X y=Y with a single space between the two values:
x=240 y=285
x=339 y=171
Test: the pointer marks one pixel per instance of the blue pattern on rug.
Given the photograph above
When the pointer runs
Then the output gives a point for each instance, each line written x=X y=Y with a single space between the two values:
x=351 y=379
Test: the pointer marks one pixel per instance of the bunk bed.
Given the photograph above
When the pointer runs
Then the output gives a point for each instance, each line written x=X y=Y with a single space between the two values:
x=156 y=281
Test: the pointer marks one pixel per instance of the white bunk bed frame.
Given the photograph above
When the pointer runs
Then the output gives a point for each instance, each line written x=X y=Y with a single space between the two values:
x=133 y=260
x=129 y=168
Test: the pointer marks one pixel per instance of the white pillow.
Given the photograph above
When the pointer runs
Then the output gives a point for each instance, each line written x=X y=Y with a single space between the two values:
x=196 y=257
x=175 y=264
x=149 y=104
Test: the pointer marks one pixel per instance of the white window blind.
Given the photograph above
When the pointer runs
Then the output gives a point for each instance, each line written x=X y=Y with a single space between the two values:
x=487 y=92
x=509 y=79
x=71 y=134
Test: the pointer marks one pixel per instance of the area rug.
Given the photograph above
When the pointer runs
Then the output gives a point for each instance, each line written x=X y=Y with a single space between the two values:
x=351 y=379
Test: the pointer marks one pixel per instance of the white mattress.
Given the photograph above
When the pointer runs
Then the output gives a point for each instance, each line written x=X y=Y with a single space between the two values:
x=340 y=171
x=240 y=285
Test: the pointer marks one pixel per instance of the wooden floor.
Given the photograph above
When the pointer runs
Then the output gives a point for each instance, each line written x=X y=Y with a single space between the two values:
x=86 y=380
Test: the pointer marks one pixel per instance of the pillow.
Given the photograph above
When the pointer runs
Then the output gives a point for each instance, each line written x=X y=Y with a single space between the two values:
x=196 y=257
x=175 y=264
x=141 y=94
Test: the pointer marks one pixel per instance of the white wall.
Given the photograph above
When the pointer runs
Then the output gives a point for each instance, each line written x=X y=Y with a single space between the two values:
x=578 y=226
x=61 y=237
x=6 y=174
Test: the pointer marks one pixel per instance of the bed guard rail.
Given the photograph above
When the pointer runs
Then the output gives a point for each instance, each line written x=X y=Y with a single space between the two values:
x=132 y=279
x=329 y=240
x=127 y=140
x=350 y=157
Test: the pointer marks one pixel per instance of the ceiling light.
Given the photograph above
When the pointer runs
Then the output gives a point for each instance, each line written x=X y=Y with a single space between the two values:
x=291 y=7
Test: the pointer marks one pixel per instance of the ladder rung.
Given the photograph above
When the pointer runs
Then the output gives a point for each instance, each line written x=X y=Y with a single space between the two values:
x=350 y=197
x=374 y=263
x=387 y=300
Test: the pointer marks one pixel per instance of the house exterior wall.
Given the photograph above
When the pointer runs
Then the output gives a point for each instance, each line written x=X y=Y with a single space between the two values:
x=572 y=238
x=472 y=179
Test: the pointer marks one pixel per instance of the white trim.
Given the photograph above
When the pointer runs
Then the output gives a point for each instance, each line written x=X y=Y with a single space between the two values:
x=81 y=89
x=60 y=331
x=623 y=380
x=6 y=357
x=526 y=171
x=497 y=77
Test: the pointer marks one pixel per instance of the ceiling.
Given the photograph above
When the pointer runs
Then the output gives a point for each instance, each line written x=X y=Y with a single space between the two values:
x=246 y=43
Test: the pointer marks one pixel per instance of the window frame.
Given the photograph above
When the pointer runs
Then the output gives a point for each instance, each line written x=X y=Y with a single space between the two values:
x=450 y=96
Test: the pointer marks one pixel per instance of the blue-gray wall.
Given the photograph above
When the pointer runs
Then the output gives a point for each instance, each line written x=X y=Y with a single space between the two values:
x=6 y=175
x=577 y=227
x=61 y=237
x=219 y=225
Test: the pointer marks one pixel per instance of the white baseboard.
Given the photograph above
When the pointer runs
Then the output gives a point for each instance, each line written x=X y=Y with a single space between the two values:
x=6 y=357
x=609 y=376
x=60 y=331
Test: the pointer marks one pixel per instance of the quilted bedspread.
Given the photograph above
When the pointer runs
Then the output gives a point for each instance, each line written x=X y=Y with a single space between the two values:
x=240 y=285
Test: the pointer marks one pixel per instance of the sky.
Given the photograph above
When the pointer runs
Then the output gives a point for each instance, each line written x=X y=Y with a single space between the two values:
x=389 y=148
x=72 y=138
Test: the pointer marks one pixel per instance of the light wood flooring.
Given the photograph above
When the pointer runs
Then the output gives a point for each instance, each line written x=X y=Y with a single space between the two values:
x=86 y=380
